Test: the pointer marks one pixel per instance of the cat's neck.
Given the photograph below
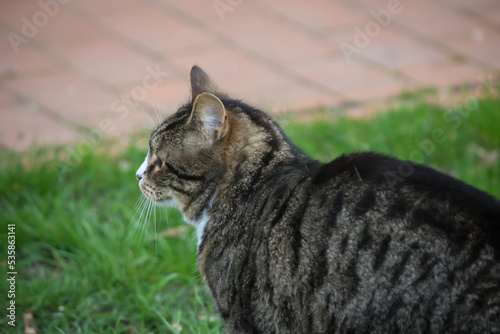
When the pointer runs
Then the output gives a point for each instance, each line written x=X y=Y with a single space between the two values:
x=257 y=149
x=257 y=154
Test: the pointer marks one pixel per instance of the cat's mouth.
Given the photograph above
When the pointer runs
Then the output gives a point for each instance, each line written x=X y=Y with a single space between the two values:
x=152 y=195
x=166 y=201
x=149 y=192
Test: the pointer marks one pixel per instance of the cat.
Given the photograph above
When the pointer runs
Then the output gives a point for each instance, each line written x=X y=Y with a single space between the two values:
x=290 y=245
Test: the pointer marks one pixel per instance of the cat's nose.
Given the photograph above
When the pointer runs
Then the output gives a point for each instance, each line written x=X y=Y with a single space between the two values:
x=140 y=172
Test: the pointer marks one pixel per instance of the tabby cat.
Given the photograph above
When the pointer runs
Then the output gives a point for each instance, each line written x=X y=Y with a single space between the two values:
x=290 y=245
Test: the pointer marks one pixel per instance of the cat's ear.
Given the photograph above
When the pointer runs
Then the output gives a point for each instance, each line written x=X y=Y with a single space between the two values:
x=210 y=114
x=200 y=83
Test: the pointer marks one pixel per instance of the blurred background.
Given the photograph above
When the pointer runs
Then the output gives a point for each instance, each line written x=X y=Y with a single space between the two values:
x=85 y=77
x=67 y=65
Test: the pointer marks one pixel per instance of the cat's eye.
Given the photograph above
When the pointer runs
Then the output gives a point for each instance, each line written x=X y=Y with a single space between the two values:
x=157 y=162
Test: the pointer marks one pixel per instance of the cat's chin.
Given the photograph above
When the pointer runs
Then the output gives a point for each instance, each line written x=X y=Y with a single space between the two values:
x=169 y=202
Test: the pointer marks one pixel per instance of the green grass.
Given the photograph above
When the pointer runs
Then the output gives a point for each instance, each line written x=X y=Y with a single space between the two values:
x=78 y=272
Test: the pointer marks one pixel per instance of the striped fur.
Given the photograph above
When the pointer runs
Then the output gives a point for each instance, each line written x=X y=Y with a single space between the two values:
x=290 y=245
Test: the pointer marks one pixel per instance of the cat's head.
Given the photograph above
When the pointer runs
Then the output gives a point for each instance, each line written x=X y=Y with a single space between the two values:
x=210 y=143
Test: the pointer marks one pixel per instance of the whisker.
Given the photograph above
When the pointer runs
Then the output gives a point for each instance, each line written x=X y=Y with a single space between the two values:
x=147 y=115
x=156 y=240
x=141 y=145
x=138 y=205
x=142 y=215
x=156 y=111
x=166 y=216
x=146 y=223
x=138 y=202
x=161 y=218
x=158 y=104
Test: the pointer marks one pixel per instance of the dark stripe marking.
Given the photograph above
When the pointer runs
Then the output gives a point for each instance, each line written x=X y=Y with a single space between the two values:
x=400 y=267
x=343 y=244
x=427 y=271
x=296 y=222
x=179 y=190
x=365 y=203
x=174 y=120
x=396 y=305
x=456 y=234
x=335 y=210
x=183 y=176
x=353 y=278
x=366 y=238
x=320 y=267
x=284 y=204
x=474 y=255
x=399 y=209
x=381 y=253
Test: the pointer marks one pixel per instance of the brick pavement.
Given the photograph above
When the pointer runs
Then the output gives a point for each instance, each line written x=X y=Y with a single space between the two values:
x=68 y=64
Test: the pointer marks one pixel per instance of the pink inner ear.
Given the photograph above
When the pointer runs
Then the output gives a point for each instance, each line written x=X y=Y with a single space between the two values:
x=212 y=114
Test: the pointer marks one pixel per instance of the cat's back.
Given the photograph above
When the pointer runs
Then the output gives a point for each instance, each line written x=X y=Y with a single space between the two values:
x=355 y=244
x=378 y=184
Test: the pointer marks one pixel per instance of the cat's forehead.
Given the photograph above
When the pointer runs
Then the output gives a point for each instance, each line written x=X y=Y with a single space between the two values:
x=158 y=139
x=170 y=126
x=154 y=142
